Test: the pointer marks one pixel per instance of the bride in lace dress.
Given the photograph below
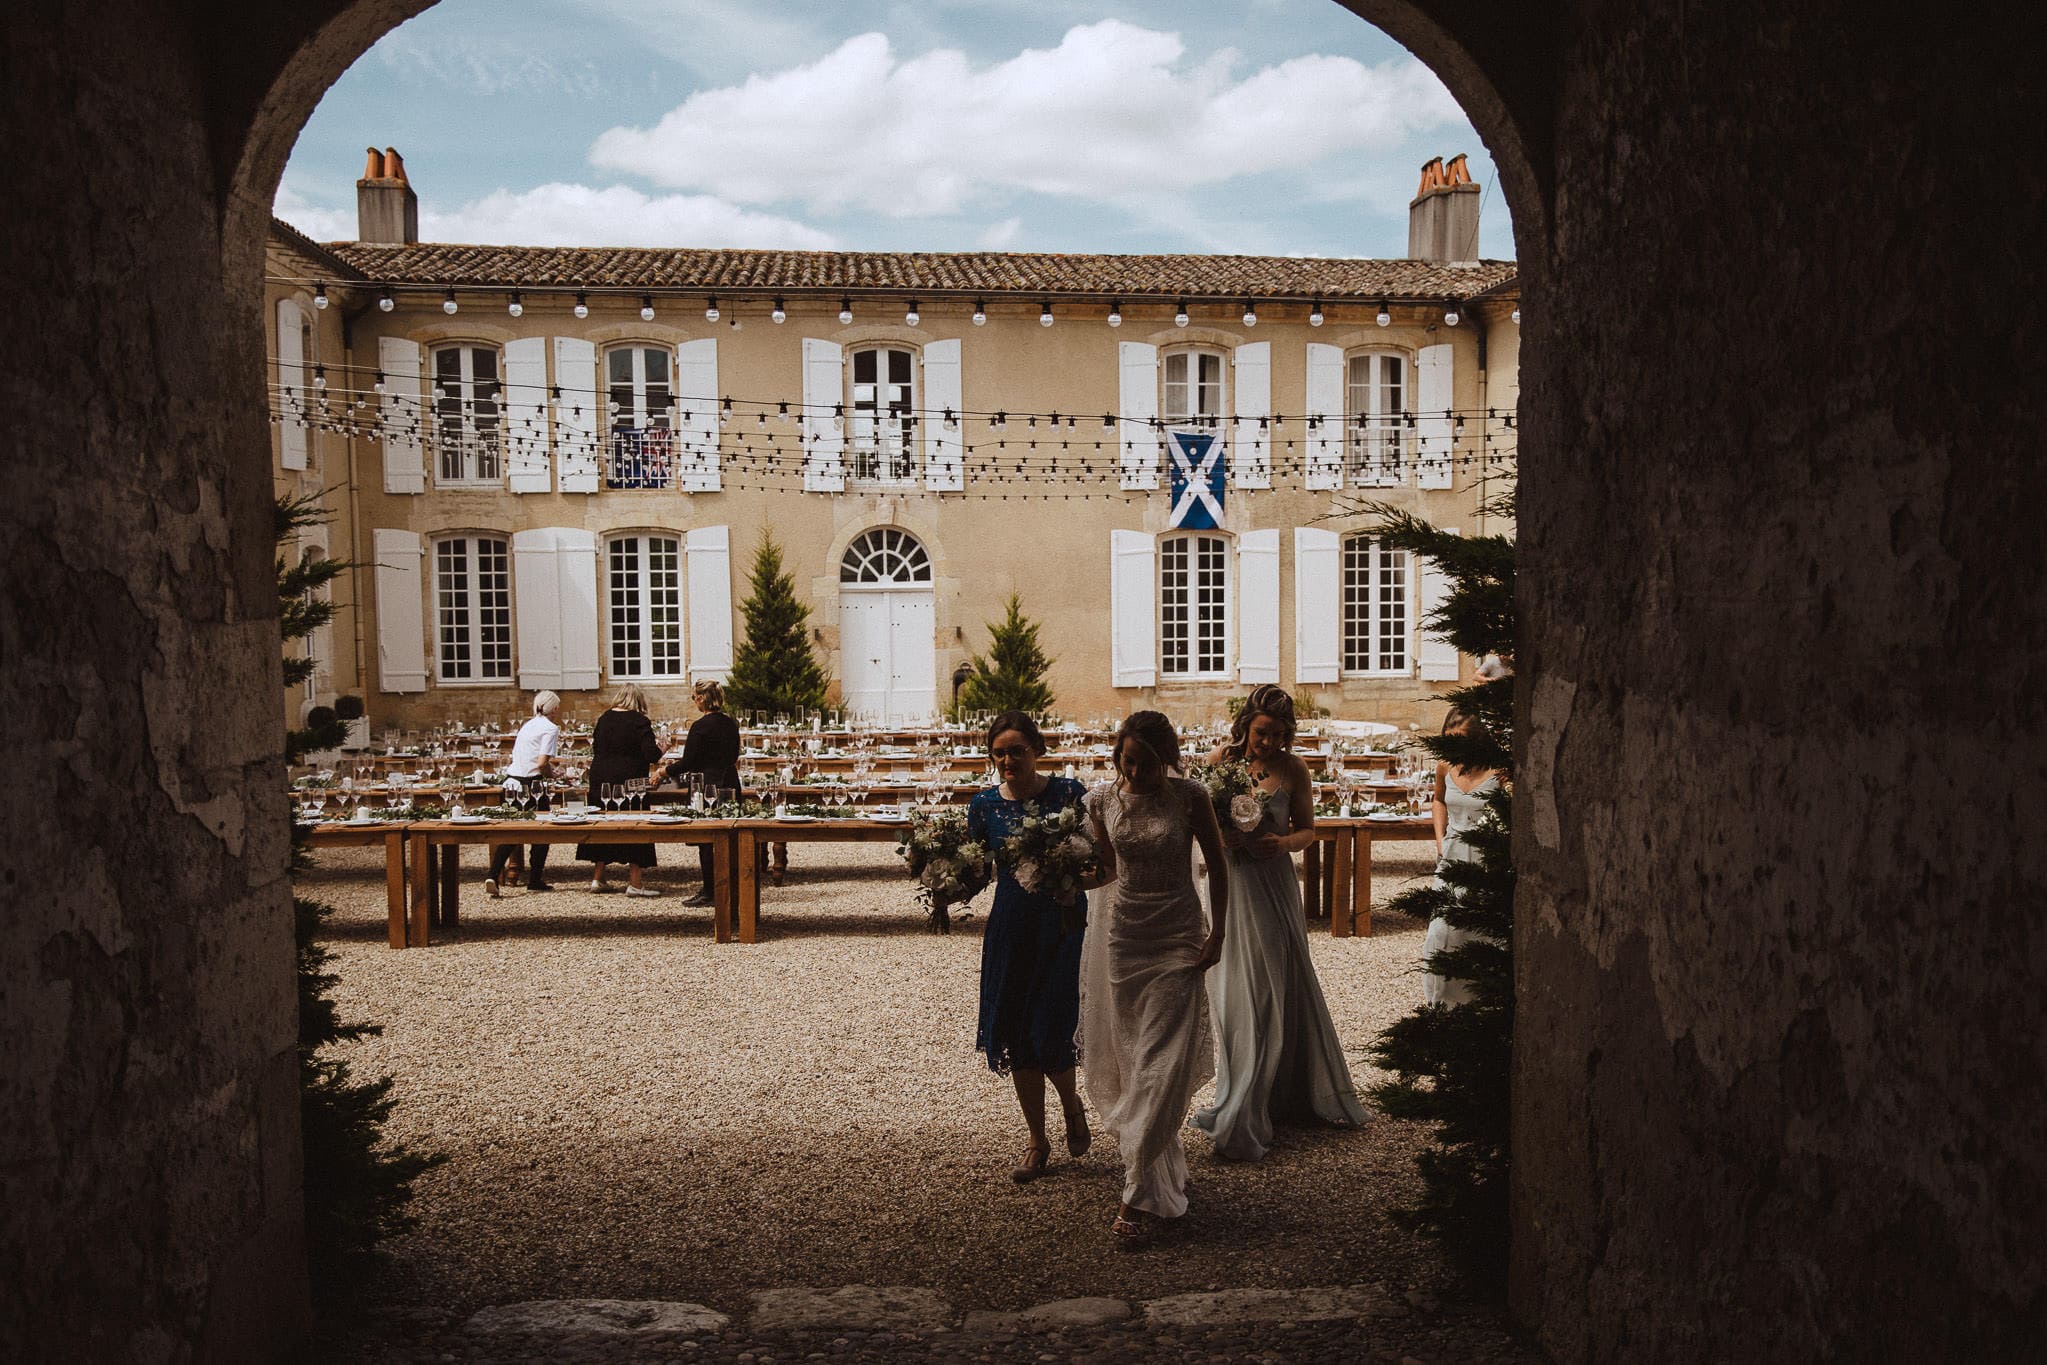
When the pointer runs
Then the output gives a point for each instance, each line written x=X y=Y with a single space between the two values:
x=1278 y=1059
x=1143 y=1016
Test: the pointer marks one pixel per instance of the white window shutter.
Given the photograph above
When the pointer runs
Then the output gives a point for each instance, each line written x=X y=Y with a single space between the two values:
x=1258 y=607
x=944 y=471
x=537 y=608
x=709 y=550
x=1251 y=457
x=1436 y=655
x=1133 y=609
x=401 y=611
x=1138 y=405
x=824 y=428
x=696 y=415
x=576 y=414
x=294 y=401
x=403 y=418
x=526 y=444
x=576 y=575
x=1323 y=447
x=1434 y=396
x=1318 y=578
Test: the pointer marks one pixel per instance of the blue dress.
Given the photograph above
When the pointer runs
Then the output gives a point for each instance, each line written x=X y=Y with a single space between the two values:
x=1030 y=967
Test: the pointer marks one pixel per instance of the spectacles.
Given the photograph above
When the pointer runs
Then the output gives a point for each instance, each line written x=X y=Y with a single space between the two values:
x=1010 y=751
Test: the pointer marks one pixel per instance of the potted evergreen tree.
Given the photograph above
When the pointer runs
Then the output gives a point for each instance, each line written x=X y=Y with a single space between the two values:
x=774 y=669
x=1011 y=676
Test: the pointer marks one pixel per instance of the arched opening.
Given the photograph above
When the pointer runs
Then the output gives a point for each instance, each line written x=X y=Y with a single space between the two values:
x=888 y=665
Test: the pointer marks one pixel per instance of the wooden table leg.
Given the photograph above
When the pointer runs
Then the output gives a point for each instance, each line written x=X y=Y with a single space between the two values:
x=451 y=882
x=394 y=887
x=421 y=882
x=749 y=886
x=1361 y=884
x=726 y=894
x=1311 y=880
x=1339 y=892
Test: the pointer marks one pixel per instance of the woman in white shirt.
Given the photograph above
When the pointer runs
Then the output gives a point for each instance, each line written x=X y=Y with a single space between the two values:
x=533 y=755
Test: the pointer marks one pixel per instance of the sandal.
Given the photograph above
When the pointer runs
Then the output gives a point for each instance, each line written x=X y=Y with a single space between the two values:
x=1128 y=1229
x=1078 y=1137
x=1033 y=1164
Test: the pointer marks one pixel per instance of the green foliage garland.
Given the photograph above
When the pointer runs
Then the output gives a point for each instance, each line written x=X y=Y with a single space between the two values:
x=774 y=670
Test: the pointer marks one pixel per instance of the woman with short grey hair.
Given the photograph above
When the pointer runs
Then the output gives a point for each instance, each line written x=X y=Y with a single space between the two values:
x=532 y=764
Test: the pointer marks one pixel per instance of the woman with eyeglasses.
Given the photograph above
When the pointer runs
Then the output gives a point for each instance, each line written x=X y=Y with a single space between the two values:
x=1030 y=952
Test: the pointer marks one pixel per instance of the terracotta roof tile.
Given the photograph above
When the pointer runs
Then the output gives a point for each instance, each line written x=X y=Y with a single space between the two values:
x=443 y=265
x=313 y=251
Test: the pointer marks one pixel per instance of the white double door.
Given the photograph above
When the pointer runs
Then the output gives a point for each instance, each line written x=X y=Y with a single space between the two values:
x=887 y=653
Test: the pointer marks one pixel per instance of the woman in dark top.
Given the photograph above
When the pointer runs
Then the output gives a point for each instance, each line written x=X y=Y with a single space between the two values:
x=622 y=748
x=712 y=749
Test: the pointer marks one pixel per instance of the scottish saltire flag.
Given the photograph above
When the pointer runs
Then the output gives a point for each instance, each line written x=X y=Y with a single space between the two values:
x=1197 y=480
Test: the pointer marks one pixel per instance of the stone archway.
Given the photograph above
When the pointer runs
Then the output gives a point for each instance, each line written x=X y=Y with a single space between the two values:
x=1785 y=1096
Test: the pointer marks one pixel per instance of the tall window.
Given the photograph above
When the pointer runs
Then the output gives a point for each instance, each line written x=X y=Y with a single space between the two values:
x=1379 y=425
x=878 y=439
x=473 y=609
x=1194 y=606
x=1194 y=389
x=307 y=393
x=642 y=436
x=646 y=607
x=468 y=414
x=1375 y=610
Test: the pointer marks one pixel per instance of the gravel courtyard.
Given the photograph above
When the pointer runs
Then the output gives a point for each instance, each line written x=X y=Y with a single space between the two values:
x=631 y=1111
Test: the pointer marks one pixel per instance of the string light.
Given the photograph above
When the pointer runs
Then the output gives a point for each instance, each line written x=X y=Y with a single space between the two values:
x=515 y=308
x=980 y=313
x=582 y=303
x=448 y=304
x=1315 y=315
x=1385 y=317
x=320 y=296
x=845 y=312
x=1250 y=314
x=779 y=314
x=1516 y=315
x=319 y=376
x=1180 y=317
x=385 y=303
x=1450 y=316
x=711 y=309
x=1045 y=316
x=910 y=315
x=1116 y=313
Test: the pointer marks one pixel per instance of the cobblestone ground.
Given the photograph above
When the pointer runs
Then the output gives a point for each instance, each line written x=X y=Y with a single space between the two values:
x=632 y=1112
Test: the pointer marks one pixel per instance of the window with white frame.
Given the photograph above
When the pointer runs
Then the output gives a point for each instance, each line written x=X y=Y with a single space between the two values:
x=640 y=402
x=1380 y=422
x=1194 y=606
x=1376 y=596
x=473 y=609
x=468 y=415
x=645 y=590
x=884 y=555
x=880 y=434
x=1193 y=389
x=306 y=390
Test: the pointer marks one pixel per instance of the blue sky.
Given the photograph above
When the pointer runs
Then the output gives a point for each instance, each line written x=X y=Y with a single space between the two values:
x=1283 y=127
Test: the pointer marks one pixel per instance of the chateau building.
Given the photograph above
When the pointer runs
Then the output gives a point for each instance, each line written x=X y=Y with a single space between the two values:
x=552 y=466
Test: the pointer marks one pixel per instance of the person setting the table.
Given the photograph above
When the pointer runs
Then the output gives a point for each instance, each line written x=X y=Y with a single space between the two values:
x=622 y=748
x=533 y=756
x=711 y=748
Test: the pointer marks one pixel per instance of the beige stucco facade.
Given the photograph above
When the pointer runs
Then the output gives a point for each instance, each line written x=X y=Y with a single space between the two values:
x=1046 y=536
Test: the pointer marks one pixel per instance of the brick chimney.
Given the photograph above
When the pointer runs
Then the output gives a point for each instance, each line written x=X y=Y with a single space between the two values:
x=386 y=209
x=1442 y=219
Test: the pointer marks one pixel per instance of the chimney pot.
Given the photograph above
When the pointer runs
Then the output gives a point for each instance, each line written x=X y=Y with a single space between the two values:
x=1442 y=219
x=386 y=209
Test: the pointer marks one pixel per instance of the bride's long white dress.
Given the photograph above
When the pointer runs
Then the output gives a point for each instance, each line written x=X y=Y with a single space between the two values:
x=1278 y=1054
x=1145 y=1046
x=1464 y=810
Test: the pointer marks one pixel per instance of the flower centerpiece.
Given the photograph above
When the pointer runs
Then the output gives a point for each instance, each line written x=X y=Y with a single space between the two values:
x=1053 y=855
x=948 y=864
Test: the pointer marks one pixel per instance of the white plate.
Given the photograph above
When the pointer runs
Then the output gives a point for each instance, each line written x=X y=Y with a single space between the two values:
x=469 y=819
x=569 y=820
x=891 y=819
x=797 y=819
x=659 y=819
x=1380 y=815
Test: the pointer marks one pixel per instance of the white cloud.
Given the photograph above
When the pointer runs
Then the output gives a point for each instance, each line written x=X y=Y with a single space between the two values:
x=320 y=224
x=1002 y=236
x=491 y=64
x=617 y=215
x=1114 y=114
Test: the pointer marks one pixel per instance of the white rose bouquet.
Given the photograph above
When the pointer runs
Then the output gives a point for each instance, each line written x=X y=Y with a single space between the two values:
x=948 y=864
x=1231 y=791
x=1053 y=855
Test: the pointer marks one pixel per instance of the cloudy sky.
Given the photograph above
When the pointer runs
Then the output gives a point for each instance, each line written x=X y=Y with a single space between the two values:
x=1284 y=127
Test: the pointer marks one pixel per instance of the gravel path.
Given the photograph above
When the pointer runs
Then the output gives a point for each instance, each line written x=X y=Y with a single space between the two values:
x=633 y=1112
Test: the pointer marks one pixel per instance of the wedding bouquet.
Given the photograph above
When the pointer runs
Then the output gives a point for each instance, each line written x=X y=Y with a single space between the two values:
x=1231 y=790
x=1052 y=854
x=948 y=864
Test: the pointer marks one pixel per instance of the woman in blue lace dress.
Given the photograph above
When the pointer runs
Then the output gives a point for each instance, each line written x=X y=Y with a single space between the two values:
x=1030 y=953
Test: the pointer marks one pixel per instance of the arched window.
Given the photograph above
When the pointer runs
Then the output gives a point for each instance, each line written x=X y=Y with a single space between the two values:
x=1378 y=401
x=468 y=415
x=473 y=609
x=880 y=441
x=884 y=556
x=1376 y=591
x=1194 y=583
x=644 y=585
